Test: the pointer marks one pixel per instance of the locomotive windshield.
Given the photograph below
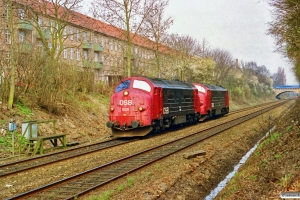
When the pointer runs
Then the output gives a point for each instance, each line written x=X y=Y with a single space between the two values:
x=123 y=85
x=143 y=85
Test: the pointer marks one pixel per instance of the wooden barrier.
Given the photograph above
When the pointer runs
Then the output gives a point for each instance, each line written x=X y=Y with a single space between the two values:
x=36 y=144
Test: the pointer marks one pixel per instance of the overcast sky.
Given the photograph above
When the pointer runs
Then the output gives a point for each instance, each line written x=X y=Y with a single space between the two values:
x=238 y=26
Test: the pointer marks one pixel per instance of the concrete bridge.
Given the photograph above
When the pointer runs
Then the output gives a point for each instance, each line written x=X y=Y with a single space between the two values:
x=282 y=89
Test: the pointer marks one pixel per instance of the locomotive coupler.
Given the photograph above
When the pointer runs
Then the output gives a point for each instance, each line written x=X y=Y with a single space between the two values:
x=123 y=127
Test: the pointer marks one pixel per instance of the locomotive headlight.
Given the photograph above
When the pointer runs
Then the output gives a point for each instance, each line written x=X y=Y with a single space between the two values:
x=125 y=93
x=141 y=109
x=112 y=109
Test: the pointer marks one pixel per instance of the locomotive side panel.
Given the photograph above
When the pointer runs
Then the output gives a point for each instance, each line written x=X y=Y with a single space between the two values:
x=218 y=101
x=177 y=102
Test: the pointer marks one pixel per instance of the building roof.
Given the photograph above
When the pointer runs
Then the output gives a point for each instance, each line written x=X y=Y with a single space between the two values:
x=50 y=9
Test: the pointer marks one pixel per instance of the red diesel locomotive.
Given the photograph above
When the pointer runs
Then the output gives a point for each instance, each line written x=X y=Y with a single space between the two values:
x=214 y=100
x=140 y=105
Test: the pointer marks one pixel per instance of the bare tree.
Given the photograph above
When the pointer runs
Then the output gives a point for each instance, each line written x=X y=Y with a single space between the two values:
x=285 y=29
x=224 y=63
x=188 y=60
x=261 y=72
x=129 y=16
x=279 y=78
x=155 y=29
x=11 y=30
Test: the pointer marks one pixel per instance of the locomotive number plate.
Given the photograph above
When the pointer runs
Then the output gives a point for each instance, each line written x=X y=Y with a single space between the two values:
x=166 y=110
x=125 y=109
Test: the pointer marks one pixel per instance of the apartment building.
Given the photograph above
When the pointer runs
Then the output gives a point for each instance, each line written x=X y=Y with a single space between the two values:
x=86 y=42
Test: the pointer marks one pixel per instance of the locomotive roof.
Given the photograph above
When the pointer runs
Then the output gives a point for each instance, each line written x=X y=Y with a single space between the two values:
x=212 y=87
x=170 y=84
x=215 y=87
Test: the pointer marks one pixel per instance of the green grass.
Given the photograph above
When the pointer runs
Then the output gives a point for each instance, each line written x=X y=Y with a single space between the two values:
x=263 y=163
x=105 y=196
x=283 y=180
x=270 y=139
x=289 y=128
x=24 y=109
x=277 y=156
x=253 y=177
x=130 y=181
x=121 y=187
x=2 y=122
x=104 y=99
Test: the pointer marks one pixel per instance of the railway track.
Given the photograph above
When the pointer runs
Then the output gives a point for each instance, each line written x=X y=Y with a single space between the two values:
x=15 y=167
x=22 y=165
x=38 y=161
x=79 y=184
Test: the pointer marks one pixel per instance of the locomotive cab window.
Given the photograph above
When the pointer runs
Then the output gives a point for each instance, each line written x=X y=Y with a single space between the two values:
x=201 y=89
x=123 y=85
x=143 y=85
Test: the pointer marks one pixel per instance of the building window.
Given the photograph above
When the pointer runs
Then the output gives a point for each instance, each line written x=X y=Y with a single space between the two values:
x=102 y=58
x=71 y=33
x=116 y=46
x=85 y=54
x=71 y=53
x=120 y=48
x=7 y=58
x=102 y=41
x=84 y=36
x=111 y=45
x=116 y=62
x=96 y=57
x=95 y=39
x=65 y=54
x=21 y=36
x=50 y=45
x=78 y=54
x=40 y=22
x=6 y=11
x=77 y=35
x=21 y=13
x=7 y=37
x=40 y=43
x=65 y=32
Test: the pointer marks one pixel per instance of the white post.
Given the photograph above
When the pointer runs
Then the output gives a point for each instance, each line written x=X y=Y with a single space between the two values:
x=12 y=127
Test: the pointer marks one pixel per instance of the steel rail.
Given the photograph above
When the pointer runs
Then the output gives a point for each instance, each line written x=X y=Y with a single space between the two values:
x=26 y=164
x=79 y=184
x=38 y=161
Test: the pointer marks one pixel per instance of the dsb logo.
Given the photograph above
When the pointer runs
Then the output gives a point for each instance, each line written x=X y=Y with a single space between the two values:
x=125 y=102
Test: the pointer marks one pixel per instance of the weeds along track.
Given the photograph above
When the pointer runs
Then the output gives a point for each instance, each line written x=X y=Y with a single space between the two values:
x=74 y=186
x=253 y=107
x=38 y=161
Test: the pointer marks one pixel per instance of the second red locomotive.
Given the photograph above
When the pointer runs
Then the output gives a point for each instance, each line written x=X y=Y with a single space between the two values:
x=140 y=105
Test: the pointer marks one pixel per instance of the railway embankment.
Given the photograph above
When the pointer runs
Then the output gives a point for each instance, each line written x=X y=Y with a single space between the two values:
x=176 y=177
x=274 y=167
